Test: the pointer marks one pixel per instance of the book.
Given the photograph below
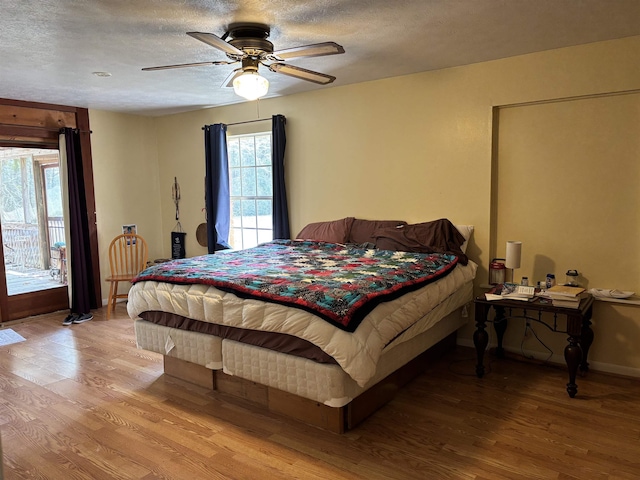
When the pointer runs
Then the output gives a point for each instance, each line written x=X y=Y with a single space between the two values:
x=493 y=296
x=566 y=303
x=511 y=291
x=562 y=291
x=565 y=295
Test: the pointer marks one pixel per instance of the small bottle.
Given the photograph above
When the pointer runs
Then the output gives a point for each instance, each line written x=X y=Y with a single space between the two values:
x=524 y=281
x=551 y=280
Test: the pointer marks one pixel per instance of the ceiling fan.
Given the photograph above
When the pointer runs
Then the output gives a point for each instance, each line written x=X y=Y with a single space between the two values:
x=248 y=44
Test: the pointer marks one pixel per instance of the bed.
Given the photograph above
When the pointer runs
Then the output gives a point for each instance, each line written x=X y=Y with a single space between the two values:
x=324 y=328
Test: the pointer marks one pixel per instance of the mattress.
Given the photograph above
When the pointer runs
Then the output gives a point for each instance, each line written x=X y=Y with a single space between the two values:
x=325 y=383
x=194 y=347
x=356 y=353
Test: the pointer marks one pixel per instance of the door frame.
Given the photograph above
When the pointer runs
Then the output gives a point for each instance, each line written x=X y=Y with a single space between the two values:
x=37 y=125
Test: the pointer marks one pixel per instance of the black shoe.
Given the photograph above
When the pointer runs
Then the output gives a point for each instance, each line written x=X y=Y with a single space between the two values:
x=69 y=319
x=85 y=317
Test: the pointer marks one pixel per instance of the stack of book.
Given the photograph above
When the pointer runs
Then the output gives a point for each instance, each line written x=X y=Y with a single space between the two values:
x=511 y=291
x=565 y=296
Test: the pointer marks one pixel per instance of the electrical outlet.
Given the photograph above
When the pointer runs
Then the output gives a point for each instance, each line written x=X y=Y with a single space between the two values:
x=527 y=330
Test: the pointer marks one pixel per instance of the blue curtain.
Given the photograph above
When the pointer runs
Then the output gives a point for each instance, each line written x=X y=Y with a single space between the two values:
x=83 y=296
x=280 y=208
x=217 y=201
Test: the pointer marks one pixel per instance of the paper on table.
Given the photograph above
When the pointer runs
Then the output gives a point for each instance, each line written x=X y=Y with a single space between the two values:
x=612 y=293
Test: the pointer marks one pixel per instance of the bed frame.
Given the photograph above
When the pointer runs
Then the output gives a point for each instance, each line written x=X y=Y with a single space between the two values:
x=339 y=405
x=334 y=419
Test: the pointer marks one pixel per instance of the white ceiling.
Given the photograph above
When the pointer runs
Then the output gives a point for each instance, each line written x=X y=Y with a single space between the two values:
x=49 y=49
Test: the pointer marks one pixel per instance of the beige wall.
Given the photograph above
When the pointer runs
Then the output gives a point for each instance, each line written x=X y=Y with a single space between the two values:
x=125 y=168
x=417 y=147
x=567 y=187
x=564 y=168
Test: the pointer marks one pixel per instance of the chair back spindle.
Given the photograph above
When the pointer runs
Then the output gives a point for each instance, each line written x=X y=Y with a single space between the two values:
x=128 y=254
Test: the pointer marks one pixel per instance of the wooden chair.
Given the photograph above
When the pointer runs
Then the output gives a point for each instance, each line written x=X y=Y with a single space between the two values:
x=127 y=258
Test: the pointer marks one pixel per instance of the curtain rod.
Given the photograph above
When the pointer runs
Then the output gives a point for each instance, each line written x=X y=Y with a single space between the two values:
x=248 y=121
x=75 y=130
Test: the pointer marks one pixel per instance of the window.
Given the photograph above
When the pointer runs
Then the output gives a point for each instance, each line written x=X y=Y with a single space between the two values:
x=251 y=189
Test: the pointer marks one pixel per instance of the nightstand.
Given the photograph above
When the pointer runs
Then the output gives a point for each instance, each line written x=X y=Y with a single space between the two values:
x=578 y=329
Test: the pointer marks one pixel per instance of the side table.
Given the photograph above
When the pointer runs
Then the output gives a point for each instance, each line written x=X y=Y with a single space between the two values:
x=578 y=329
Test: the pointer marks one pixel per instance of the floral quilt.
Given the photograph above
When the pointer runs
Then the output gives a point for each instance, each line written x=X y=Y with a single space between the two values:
x=338 y=283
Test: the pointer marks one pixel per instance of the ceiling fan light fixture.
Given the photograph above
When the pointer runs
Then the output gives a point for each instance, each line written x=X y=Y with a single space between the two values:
x=251 y=85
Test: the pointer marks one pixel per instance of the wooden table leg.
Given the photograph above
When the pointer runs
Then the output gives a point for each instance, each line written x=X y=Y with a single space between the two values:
x=573 y=357
x=500 y=326
x=586 y=339
x=480 y=337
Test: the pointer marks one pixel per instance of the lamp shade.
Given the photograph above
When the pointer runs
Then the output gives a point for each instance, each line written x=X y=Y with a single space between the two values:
x=251 y=85
x=514 y=252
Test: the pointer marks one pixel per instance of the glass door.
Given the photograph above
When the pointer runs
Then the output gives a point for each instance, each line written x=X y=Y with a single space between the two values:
x=31 y=216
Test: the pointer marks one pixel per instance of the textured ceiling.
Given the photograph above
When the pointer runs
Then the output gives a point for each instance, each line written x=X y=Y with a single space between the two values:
x=49 y=49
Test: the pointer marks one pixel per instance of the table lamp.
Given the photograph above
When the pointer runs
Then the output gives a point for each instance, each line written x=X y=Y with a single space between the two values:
x=514 y=253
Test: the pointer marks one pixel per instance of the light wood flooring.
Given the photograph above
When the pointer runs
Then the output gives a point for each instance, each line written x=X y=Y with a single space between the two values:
x=81 y=402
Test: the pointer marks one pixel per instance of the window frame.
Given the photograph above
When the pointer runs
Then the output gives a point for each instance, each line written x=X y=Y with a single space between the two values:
x=256 y=226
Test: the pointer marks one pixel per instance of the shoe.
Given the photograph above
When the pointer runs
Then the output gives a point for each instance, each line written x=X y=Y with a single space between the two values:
x=69 y=319
x=85 y=317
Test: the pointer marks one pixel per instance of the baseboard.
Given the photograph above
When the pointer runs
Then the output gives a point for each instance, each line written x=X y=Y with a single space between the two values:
x=559 y=359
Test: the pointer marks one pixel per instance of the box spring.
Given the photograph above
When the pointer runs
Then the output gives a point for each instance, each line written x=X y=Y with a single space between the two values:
x=319 y=394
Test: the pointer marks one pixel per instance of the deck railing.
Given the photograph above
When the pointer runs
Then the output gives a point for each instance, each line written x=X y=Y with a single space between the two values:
x=56 y=230
x=22 y=243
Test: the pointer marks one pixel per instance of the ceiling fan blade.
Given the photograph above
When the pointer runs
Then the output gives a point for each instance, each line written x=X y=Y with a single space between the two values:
x=228 y=82
x=302 y=73
x=183 y=65
x=216 y=42
x=316 y=50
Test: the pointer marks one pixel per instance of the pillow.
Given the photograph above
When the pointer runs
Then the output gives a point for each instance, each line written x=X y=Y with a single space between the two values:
x=438 y=236
x=362 y=231
x=466 y=231
x=336 y=231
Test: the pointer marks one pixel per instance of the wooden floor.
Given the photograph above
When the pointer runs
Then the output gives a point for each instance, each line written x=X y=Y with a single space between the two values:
x=81 y=402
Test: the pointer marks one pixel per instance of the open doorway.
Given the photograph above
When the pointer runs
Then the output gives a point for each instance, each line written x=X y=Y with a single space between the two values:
x=32 y=125
x=31 y=215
